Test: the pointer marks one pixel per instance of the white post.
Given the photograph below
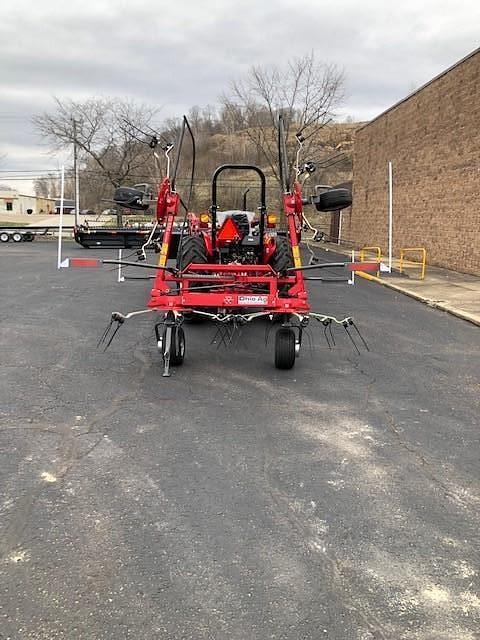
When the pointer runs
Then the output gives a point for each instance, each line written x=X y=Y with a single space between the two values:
x=60 y=228
x=352 y=277
x=339 y=227
x=75 y=169
x=120 y=277
x=390 y=215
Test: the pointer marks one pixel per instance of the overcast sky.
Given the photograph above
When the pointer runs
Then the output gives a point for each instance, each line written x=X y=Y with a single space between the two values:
x=177 y=54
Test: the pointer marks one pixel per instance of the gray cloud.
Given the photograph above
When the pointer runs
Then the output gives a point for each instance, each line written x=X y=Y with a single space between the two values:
x=177 y=55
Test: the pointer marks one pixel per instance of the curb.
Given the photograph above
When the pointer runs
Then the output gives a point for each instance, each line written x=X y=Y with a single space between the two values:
x=464 y=315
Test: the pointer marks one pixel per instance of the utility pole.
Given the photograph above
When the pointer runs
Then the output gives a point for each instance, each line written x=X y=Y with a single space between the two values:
x=75 y=171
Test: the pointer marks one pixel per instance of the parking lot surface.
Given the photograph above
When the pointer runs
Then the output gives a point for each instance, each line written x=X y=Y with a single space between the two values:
x=233 y=501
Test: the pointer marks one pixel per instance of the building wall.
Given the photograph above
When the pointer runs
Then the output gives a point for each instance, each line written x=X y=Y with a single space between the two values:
x=433 y=141
x=20 y=203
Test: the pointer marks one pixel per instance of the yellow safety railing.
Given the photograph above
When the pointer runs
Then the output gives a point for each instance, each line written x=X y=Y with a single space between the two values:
x=422 y=263
x=376 y=250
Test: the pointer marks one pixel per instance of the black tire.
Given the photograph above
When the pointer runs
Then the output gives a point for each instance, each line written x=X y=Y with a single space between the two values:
x=334 y=199
x=4 y=236
x=282 y=259
x=17 y=237
x=192 y=250
x=285 y=348
x=28 y=237
x=177 y=350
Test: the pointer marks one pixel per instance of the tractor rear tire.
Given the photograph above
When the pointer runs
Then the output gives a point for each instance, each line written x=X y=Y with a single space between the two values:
x=285 y=348
x=282 y=259
x=192 y=251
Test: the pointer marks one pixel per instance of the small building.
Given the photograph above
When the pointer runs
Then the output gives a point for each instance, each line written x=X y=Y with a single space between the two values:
x=13 y=202
x=68 y=205
x=432 y=138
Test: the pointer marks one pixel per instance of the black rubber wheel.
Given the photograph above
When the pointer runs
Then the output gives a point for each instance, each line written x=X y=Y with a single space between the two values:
x=334 y=199
x=285 y=348
x=4 y=237
x=17 y=237
x=177 y=350
x=192 y=250
x=28 y=237
x=282 y=259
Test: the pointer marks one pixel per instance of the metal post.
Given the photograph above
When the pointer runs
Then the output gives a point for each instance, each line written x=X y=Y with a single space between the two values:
x=339 y=227
x=120 y=277
x=390 y=215
x=60 y=228
x=75 y=171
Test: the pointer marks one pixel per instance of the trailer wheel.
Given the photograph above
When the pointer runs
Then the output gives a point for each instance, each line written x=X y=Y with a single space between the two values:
x=285 y=348
x=28 y=237
x=177 y=353
x=17 y=237
x=4 y=236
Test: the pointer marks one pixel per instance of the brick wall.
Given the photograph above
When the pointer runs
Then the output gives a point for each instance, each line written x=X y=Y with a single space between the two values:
x=433 y=141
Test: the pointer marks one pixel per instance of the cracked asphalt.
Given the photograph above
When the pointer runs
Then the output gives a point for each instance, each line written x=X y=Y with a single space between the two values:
x=233 y=501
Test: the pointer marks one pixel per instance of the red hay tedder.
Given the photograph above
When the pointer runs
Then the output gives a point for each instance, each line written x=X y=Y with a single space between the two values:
x=232 y=267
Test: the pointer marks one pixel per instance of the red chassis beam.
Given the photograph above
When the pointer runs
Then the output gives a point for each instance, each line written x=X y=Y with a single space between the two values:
x=229 y=286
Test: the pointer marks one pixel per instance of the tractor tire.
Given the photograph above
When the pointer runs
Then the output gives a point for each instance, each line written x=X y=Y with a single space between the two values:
x=192 y=250
x=17 y=237
x=178 y=347
x=282 y=259
x=4 y=236
x=334 y=200
x=285 y=348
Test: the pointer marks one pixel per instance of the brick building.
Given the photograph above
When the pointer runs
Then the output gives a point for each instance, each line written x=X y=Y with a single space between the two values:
x=432 y=138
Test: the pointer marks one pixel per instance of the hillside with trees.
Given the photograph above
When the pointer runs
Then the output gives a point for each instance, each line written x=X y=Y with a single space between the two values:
x=112 y=135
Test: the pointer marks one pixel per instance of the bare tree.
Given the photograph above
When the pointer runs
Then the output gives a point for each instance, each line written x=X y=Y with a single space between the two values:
x=306 y=93
x=104 y=130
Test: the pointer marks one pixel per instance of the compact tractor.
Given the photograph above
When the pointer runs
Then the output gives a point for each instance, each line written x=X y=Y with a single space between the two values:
x=231 y=266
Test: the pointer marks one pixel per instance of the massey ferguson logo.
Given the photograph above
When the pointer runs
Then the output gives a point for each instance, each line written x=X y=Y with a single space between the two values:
x=228 y=299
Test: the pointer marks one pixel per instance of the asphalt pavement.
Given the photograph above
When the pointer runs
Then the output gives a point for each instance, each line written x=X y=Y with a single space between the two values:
x=233 y=501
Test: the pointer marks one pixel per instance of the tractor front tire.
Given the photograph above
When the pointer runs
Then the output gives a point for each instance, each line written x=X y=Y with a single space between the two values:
x=285 y=348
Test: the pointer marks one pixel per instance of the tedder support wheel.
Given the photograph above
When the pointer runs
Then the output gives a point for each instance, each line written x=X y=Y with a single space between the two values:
x=4 y=236
x=17 y=237
x=177 y=348
x=285 y=348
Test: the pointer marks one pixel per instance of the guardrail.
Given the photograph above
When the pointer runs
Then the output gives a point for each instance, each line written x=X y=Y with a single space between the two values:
x=378 y=255
x=422 y=263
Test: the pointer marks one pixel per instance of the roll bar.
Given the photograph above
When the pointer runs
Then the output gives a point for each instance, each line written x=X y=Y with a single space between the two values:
x=263 y=190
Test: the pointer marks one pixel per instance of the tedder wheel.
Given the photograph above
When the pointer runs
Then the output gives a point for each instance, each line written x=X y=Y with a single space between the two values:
x=4 y=237
x=17 y=237
x=285 y=348
x=177 y=350
x=192 y=249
